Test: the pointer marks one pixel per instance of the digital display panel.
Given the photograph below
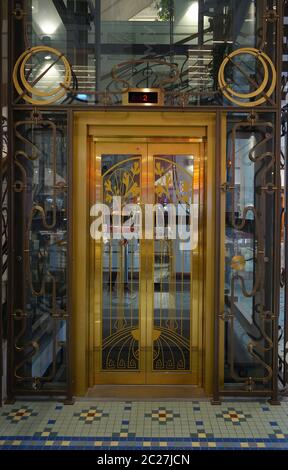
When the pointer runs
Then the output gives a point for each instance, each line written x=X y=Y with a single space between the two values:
x=142 y=97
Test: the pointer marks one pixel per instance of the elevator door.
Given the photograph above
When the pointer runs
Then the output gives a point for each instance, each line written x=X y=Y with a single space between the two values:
x=146 y=272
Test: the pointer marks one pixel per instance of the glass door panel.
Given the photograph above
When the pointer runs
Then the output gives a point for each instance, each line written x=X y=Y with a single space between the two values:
x=120 y=268
x=118 y=276
x=174 y=300
x=146 y=281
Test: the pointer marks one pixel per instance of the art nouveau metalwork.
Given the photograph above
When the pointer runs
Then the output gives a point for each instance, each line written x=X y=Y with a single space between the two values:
x=39 y=319
x=138 y=332
x=175 y=183
x=38 y=70
x=283 y=320
x=185 y=67
x=249 y=308
x=262 y=93
x=120 y=298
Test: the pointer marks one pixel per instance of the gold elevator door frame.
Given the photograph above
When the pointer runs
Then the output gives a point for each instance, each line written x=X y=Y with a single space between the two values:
x=145 y=338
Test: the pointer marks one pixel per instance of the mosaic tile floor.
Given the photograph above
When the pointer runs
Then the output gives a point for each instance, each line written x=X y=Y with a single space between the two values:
x=91 y=424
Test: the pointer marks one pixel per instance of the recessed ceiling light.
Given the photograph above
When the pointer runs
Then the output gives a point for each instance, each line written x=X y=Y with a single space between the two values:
x=47 y=57
x=222 y=41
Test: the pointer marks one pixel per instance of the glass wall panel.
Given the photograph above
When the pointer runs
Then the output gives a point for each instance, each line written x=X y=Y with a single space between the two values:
x=4 y=194
x=283 y=319
x=250 y=200
x=111 y=46
x=40 y=255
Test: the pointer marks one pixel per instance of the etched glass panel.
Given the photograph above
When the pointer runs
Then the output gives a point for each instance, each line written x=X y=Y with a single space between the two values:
x=120 y=265
x=176 y=190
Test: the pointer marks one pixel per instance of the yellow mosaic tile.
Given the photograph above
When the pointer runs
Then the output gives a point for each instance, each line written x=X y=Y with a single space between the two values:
x=114 y=443
x=65 y=443
x=244 y=445
x=49 y=443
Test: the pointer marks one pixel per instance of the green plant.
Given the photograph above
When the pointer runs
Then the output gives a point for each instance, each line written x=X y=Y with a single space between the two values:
x=164 y=9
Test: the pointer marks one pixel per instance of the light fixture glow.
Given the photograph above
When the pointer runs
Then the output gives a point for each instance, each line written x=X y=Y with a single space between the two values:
x=49 y=27
x=222 y=41
x=82 y=97
x=200 y=51
x=192 y=13
x=47 y=57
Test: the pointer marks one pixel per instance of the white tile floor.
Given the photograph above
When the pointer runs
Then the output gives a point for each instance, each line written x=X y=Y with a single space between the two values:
x=133 y=425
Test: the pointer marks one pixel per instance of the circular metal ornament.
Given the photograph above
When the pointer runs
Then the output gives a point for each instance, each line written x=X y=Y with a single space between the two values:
x=24 y=88
x=266 y=63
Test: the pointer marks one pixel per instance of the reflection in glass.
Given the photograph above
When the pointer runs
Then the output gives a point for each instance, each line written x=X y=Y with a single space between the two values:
x=120 y=271
x=112 y=45
x=41 y=242
x=175 y=183
x=249 y=252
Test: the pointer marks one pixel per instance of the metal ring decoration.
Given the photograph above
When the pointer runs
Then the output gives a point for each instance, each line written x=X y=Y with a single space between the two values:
x=260 y=92
x=25 y=89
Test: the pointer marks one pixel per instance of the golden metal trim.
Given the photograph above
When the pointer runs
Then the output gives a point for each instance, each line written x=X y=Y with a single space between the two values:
x=146 y=374
x=92 y=124
x=26 y=88
x=152 y=139
x=229 y=93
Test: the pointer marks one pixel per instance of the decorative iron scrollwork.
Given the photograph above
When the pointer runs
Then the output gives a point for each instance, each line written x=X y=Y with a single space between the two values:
x=41 y=308
x=28 y=91
x=258 y=330
x=262 y=92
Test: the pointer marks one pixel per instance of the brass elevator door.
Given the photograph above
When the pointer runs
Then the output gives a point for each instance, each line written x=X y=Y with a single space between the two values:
x=146 y=286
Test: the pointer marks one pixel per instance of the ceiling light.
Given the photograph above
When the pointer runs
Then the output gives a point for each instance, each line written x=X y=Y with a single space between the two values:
x=47 y=57
x=192 y=12
x=200 y=50
x=49 y=27
x=222 y=41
